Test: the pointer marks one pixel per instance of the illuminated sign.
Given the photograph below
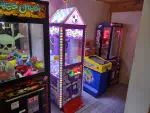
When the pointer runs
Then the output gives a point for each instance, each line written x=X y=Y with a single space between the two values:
x=118 y=32
x=54 y=30
x=22 y=9
x=75 y=33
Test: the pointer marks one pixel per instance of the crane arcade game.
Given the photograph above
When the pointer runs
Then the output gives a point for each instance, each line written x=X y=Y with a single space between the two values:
x=67 y=35
x=109 y=38
x=24 y=67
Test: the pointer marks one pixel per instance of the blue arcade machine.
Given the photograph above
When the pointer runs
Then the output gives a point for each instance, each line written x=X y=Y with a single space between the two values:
x=96 y=75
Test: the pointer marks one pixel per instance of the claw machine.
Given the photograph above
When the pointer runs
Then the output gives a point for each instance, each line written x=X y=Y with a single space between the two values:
x=109 y=40
x=24 y=71
x=67 y=36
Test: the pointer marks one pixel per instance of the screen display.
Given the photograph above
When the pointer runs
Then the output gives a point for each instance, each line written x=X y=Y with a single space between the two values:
x=98 y=60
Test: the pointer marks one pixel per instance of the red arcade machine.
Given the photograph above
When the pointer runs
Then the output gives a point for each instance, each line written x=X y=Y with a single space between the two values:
x=108 y=40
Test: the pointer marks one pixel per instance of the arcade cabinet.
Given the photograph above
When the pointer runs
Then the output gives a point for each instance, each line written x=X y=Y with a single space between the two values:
x=90 y=47
x=67 y=35
x=109 y=38
x=96 y=75
x=24 y=60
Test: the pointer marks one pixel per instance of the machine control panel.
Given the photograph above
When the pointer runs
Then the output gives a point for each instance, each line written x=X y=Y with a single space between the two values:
x=33 y=104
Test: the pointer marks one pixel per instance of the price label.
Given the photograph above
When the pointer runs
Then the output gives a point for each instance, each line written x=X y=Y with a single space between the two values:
x=15 y=105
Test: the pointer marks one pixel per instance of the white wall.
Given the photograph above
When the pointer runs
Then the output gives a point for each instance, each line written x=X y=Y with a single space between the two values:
x=131 y=21
x=92 y=12
x=138 y=97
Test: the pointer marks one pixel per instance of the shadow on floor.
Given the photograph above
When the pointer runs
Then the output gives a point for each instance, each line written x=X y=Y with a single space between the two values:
x=113 y=101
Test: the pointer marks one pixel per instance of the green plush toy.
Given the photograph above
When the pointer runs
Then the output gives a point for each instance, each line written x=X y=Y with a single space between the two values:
x=7 y=45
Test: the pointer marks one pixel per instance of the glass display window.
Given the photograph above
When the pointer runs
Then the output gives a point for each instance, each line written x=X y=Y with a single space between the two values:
x=21 y=50
x=105 y=42
x=54 y=50
x=116 y=42
x=73 y=46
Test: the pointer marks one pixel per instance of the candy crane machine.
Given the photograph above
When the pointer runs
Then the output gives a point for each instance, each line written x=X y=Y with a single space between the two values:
x=109 y=39
x=67 y=35
x=24 y=70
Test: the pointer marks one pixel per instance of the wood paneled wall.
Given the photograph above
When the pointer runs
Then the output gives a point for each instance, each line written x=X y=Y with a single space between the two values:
x=127 y=6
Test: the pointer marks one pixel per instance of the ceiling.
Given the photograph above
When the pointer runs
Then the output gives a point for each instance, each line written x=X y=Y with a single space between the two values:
x=119 y=1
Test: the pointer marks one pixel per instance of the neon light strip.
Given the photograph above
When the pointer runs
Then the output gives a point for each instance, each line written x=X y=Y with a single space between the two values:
x=61 y=64
x=83 y=61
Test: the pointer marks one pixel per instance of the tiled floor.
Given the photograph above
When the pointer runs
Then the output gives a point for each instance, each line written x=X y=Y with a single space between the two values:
x=112 y=101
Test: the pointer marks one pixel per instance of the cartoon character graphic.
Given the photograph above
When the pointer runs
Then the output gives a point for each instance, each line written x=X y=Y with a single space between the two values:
x=75 y=18
x=88 y=77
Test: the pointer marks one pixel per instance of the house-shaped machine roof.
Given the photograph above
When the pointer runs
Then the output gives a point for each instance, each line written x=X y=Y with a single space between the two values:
x=67 y=16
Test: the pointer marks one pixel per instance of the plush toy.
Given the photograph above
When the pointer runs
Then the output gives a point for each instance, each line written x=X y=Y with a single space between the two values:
x=3 y=56
x=2 y=67
x=13 y=62
x=20 y=68
x=28 y=63
x=22 y=60
x=9 y=58
x=12 y=56
x=6 y=70
x=38 y=65
x=23 y=51
x=33 y=59
x=30 y=72
x=18 y=75
x=9 y=66
x=7 y=43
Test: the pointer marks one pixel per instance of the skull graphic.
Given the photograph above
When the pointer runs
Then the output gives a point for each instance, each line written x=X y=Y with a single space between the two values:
x=7 y=43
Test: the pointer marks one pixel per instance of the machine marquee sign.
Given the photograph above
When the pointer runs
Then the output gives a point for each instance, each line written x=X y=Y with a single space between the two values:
x=22 y=9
